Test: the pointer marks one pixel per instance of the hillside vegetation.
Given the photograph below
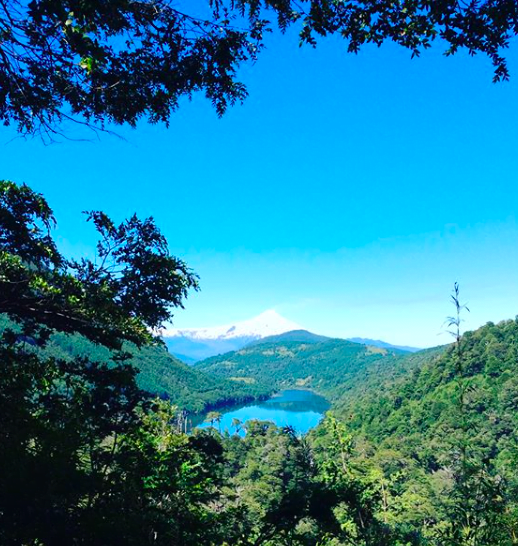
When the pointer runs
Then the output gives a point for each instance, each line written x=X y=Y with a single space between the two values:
x=158 y=373
x=432 y=436
x=335 y=368
x=442 y=440
x=420 y=413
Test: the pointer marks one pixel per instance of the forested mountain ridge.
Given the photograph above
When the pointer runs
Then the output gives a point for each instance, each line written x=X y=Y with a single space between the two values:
x=440 y=440
x=422 y=407
x=158 y=373
x=333 y=367
x=302 y=336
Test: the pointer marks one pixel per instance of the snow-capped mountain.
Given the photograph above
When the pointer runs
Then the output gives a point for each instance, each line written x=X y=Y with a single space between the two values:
x=193 y=344
x=269 y=323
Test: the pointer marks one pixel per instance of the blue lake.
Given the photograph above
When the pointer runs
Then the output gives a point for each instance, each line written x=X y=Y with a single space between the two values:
x=300 y=409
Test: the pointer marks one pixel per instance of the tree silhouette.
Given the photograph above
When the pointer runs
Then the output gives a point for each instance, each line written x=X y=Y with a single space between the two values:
x=120 y=61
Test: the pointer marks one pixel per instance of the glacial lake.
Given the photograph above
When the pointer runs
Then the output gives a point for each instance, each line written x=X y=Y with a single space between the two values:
x=300 y=409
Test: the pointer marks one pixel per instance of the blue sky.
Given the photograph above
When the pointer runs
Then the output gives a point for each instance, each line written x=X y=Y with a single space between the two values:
x=348 y=192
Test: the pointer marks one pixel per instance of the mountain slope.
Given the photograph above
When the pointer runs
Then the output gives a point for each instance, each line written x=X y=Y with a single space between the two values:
x=383 y=344
x=159 y=373
x=302 y=336
x=333 y=367
x=422 y=409
x=440 y=439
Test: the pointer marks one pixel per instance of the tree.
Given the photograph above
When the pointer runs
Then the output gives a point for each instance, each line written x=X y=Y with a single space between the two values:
x=214 y=417
x=271 y=484
x=237 y=425
x=84 y=457
x=129 y=290
x=123 y=60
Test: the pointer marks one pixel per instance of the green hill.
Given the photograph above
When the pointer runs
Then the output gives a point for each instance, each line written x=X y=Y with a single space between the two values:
x=439 y=440
x=333 y=367
x=159 y=373
x=164 y=375
x=420 y=413
x=302 y=336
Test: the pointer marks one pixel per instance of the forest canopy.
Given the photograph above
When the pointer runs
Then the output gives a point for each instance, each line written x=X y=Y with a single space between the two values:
x=86 y=459
x=419 y=453
x=117 y=62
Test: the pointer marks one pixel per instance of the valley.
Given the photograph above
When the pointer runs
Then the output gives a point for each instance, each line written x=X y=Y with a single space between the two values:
x=396 y=417
x=335 y=368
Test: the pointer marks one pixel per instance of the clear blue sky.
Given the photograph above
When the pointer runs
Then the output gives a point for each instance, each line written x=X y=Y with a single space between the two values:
x=348 y=192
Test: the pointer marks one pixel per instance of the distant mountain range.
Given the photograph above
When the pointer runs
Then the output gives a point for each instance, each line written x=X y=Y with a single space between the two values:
x=383 y=344
x=336 y=368
x=194 y=344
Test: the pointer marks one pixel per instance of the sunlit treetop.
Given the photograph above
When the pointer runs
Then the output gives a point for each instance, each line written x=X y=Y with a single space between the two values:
x=119 y=61
x=128 y=290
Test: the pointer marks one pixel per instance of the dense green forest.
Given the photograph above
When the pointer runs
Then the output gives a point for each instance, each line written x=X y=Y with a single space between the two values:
x=158 y=373
x=433 y=432
x=336 y=368
x=419 y=450
x=446 y=435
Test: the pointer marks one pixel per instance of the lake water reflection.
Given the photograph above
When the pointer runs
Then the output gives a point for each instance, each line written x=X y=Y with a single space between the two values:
x=300 y=409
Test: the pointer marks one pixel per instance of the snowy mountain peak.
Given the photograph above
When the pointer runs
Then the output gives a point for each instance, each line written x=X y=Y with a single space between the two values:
x=266 y=324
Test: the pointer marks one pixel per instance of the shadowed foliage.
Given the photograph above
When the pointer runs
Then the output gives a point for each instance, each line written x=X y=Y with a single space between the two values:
x=121 y=61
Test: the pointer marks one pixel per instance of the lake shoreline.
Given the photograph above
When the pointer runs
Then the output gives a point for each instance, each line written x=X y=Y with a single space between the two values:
x=299 y=408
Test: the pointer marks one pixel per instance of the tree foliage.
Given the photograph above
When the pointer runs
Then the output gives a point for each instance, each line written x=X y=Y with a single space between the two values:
x=122 y=60
x=423 y=453
x=452 y=424
x=75 y=465
x=130 y=288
